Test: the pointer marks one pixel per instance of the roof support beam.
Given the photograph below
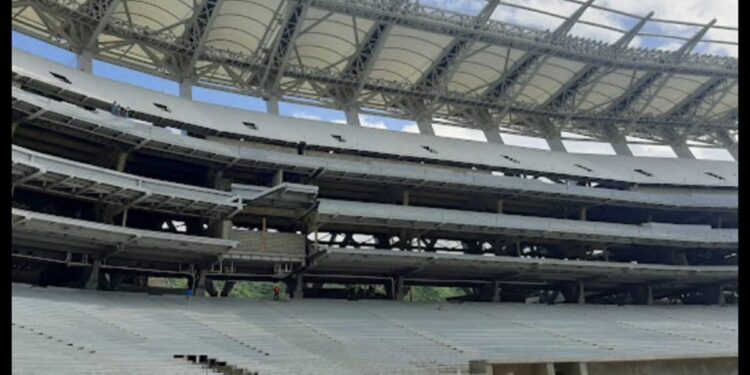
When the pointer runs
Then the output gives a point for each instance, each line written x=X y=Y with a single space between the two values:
x=101 y=10
x=278 y=59
x=640 y=96
x=445 y=66
x=592 y=73
x=85 y=61
x=518 y=74
x=197 y=31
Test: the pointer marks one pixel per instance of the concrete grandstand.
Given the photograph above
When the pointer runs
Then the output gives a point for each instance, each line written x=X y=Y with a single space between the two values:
x=114 y=184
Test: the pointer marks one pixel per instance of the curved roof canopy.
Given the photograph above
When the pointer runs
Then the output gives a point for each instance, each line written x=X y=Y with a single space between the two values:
x=404 y=59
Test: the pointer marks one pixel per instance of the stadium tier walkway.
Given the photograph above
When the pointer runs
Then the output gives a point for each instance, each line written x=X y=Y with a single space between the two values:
x=59 y=330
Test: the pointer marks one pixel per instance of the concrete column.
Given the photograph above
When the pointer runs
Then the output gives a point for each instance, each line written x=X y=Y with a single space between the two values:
x=227 y=288
x=398 y=293
x=582 y=214
x=683 y=151
x=499 y=206
x=93 y=279
x=734 y=150
x=220 y=229
x=298 y=283
x=556 y=144
x=199 y=287
x=574 y=293
x=495 y=291
x=278 y=178
x=679 y=258
x=493 y=136
x=272 y=105
x=405 y=198
x=712 y=294
x=620 y=145
x=643 y=295
x=85 y=62
x=120 y=161
x=352 y=117
x=211 y=288
x=425 y=126
x=186 y=89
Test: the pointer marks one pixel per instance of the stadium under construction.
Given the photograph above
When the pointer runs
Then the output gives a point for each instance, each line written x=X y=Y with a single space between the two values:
x=114 y=184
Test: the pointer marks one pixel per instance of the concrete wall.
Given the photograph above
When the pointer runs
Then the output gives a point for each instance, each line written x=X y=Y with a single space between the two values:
x=709 y=366
x=275 y=243
x=688 y=366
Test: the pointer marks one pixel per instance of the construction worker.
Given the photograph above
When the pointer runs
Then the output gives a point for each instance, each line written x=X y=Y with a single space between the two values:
x=276 y=292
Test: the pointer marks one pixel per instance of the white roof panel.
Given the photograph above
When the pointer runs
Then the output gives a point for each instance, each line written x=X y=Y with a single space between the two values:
x=407 y=53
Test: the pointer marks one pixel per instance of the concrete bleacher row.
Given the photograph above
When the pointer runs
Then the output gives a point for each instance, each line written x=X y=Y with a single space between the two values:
x=42 y=172
x=208 y=119
x=136 y=333
x=423 y=266
x=435 y=220
x=53 y=114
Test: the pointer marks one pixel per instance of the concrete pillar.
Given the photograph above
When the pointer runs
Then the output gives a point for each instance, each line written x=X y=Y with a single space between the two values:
x=620 y=145
x=683 y=151
x=712 y=294
x=93 y=279
x=298 y=283
x=199 y=287
x=582 y=214
x=278 y=178
x=186 y=89
x=425 y=126
x=556 y=144
x=227 y=288
x=734 y=150
x=398 y=293
x=574 y=293
x=499 y=206
x=85 y=62
x=120 y=161
x=679 y=258
x=211 y=288
x=352 y=117
x=272 y=105
x=493 y=136
x=581 y=293
x=220 y=229
x=643 y=295
x=495 y=291
x=405 y=198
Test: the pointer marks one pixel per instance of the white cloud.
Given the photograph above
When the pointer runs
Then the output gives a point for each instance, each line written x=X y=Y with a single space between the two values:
x=711 y=153
x=460 y=133
x=411 y=128
x=306 y=115
x=372 y=122
x=698 y=11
